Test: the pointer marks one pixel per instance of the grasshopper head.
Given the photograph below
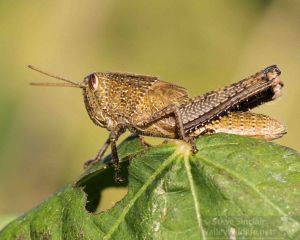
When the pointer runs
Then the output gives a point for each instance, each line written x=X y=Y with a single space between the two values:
x=92 y=95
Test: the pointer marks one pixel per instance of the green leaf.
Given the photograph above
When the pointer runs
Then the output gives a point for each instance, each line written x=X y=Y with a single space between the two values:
x=232 y=186
x=5 y=219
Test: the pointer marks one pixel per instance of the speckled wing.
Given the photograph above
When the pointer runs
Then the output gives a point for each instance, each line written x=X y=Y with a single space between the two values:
x=262 y=87
x=160 y=95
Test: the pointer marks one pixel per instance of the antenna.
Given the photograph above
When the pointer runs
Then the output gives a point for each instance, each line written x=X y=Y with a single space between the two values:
x=68 y=82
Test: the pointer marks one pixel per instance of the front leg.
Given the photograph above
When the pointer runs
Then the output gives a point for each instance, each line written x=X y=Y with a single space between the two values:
x=166 y=112
x=115 y=133
x=99 y=155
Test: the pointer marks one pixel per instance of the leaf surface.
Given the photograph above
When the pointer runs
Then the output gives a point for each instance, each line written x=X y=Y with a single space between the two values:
x=233 y=186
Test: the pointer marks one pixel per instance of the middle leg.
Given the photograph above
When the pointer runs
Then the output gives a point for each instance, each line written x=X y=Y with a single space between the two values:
x=166 y=112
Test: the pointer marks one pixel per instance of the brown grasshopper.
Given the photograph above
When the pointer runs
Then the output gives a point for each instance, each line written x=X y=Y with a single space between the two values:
x=148 y=106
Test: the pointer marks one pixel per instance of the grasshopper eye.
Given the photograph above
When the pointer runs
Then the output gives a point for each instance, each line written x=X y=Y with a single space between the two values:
x=93 y=82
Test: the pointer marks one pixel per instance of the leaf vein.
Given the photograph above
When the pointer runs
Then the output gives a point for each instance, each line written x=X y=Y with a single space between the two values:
x=126 y=209
x=194 y=195
x=251 y=186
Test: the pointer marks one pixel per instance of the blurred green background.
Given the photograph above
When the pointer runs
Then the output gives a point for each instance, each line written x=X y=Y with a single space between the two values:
x=46 y=134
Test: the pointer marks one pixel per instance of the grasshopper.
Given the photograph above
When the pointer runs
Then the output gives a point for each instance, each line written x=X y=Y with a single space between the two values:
x=148 y=106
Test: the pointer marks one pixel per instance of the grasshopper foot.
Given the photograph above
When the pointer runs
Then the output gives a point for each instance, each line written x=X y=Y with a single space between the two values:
x=191 y=141
x=89 y=163
x=193 y=145
x=117 y=172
